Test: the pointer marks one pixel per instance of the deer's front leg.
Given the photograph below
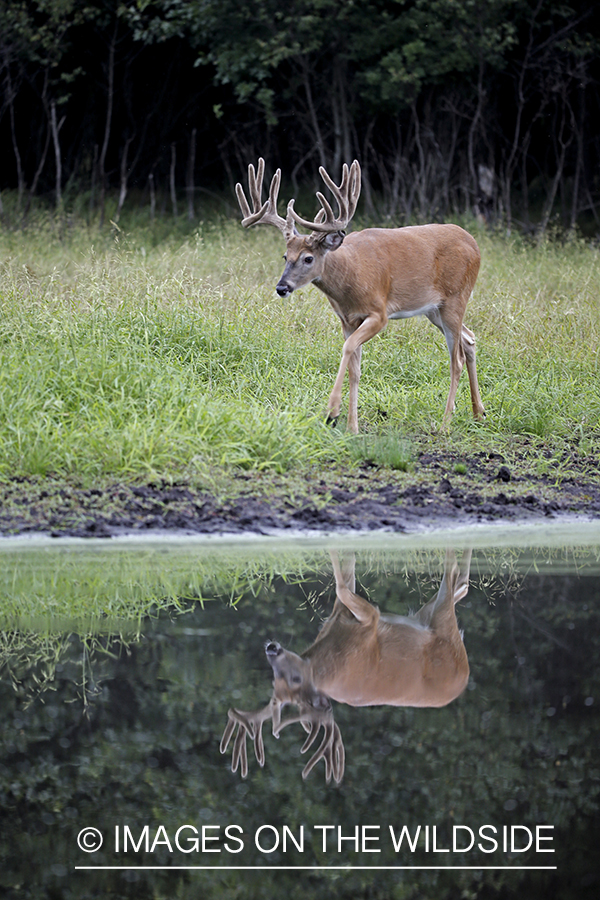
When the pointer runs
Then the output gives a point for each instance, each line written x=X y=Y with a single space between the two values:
x=353 y=381
x=351 y=353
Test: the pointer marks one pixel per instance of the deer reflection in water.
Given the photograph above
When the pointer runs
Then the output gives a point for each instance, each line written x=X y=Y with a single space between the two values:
x=363 y=658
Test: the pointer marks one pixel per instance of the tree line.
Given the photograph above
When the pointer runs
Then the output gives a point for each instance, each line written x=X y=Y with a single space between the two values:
x=484 y=107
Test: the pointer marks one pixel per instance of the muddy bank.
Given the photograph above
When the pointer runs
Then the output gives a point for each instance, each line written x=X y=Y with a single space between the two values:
x=439 y=492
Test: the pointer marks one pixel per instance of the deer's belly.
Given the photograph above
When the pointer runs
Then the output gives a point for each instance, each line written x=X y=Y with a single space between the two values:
x=417 y=311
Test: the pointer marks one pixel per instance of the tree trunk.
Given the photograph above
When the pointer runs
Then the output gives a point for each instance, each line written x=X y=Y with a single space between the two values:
x=525 y=182
x=473 y=190
x=582 y=79
x=124 y=178
x=172 y=179
x=152 y=196
x=191 y=165
x=561 y=145
x=108 y=121
x=366 y=180
x=93 y=181
x=13 y=134
x=56 y=126
x=316 y=130
x=38 y=172
x=512 y=159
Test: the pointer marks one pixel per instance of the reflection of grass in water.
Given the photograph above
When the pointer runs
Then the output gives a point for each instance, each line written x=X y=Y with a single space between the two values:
x=31 y=661
x=106 y=593
x=105 y=589
x=111 y=589
x=103 y=595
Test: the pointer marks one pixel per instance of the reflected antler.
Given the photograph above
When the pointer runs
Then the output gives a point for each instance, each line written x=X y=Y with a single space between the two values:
x=331 y=750
x=263 y=213
x=249 y=723
x=346 y=195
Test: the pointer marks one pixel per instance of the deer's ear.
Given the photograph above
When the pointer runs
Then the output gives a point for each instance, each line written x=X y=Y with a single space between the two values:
x=333 y=239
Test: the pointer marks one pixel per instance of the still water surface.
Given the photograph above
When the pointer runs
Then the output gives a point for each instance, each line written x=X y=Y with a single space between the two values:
x=135 y=676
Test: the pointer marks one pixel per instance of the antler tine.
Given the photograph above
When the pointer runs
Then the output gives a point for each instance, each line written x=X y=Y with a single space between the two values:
x=348 y=191
x=261 y=213
x=248 y=723
x=331 y=748
x=346 y=195
x=340 y=193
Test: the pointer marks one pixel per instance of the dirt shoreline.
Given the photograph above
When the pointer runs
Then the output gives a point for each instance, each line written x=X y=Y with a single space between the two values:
x=438 y=493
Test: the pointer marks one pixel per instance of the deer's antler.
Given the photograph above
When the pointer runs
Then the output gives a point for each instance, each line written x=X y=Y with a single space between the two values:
x=249 y=723
x=263 y=213
x=346 y=195
x=331 y=749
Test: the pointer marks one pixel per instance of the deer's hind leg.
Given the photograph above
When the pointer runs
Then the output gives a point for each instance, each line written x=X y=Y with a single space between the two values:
x=439 y=615
x=468 y=344
x=361 y=609
x=451 y=329
x=460 y=341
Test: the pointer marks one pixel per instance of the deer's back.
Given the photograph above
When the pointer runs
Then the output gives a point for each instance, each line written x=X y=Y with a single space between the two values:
x=410 y=267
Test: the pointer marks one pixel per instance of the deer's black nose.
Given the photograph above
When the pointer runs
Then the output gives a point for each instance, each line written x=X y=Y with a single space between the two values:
x=272 y=648
x=283 y=290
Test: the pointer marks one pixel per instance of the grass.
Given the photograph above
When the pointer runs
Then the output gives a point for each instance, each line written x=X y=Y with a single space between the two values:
x=388 y=449
x=147 y=351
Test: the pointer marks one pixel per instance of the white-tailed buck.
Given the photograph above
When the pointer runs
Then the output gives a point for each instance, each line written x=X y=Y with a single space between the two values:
x=363 y=658
x=374 y=275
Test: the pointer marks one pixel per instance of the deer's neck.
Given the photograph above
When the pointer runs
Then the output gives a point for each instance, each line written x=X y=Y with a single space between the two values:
x=346 y=284
x=337 y=278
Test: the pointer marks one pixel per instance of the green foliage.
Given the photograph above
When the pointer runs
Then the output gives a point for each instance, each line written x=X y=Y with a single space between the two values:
x=155 y=95
x=388 y=51
x=432 y=41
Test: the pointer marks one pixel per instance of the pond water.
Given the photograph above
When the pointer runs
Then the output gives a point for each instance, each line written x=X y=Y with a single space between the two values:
x=456 y=769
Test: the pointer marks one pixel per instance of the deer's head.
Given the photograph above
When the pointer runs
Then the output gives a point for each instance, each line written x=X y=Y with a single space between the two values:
x=293 y=679
x=291 y=685
x=305 y=253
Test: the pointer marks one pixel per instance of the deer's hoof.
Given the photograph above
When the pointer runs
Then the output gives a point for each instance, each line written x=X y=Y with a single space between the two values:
x=331 y=420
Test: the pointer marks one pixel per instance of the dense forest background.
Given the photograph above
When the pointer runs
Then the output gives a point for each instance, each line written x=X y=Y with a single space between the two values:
x=484 y=107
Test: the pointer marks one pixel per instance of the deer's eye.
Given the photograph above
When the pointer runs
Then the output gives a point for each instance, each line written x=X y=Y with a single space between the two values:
x=296 y=679
x=308 y=260
x=285 y=256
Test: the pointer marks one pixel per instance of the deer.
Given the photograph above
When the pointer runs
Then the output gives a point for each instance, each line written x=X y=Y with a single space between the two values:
x=361 y=657
x=372 y=276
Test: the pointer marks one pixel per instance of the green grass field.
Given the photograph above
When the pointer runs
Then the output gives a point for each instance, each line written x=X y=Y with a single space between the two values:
x=146 y=350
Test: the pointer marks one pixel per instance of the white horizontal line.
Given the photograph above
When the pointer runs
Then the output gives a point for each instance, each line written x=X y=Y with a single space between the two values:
x=325 y=868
